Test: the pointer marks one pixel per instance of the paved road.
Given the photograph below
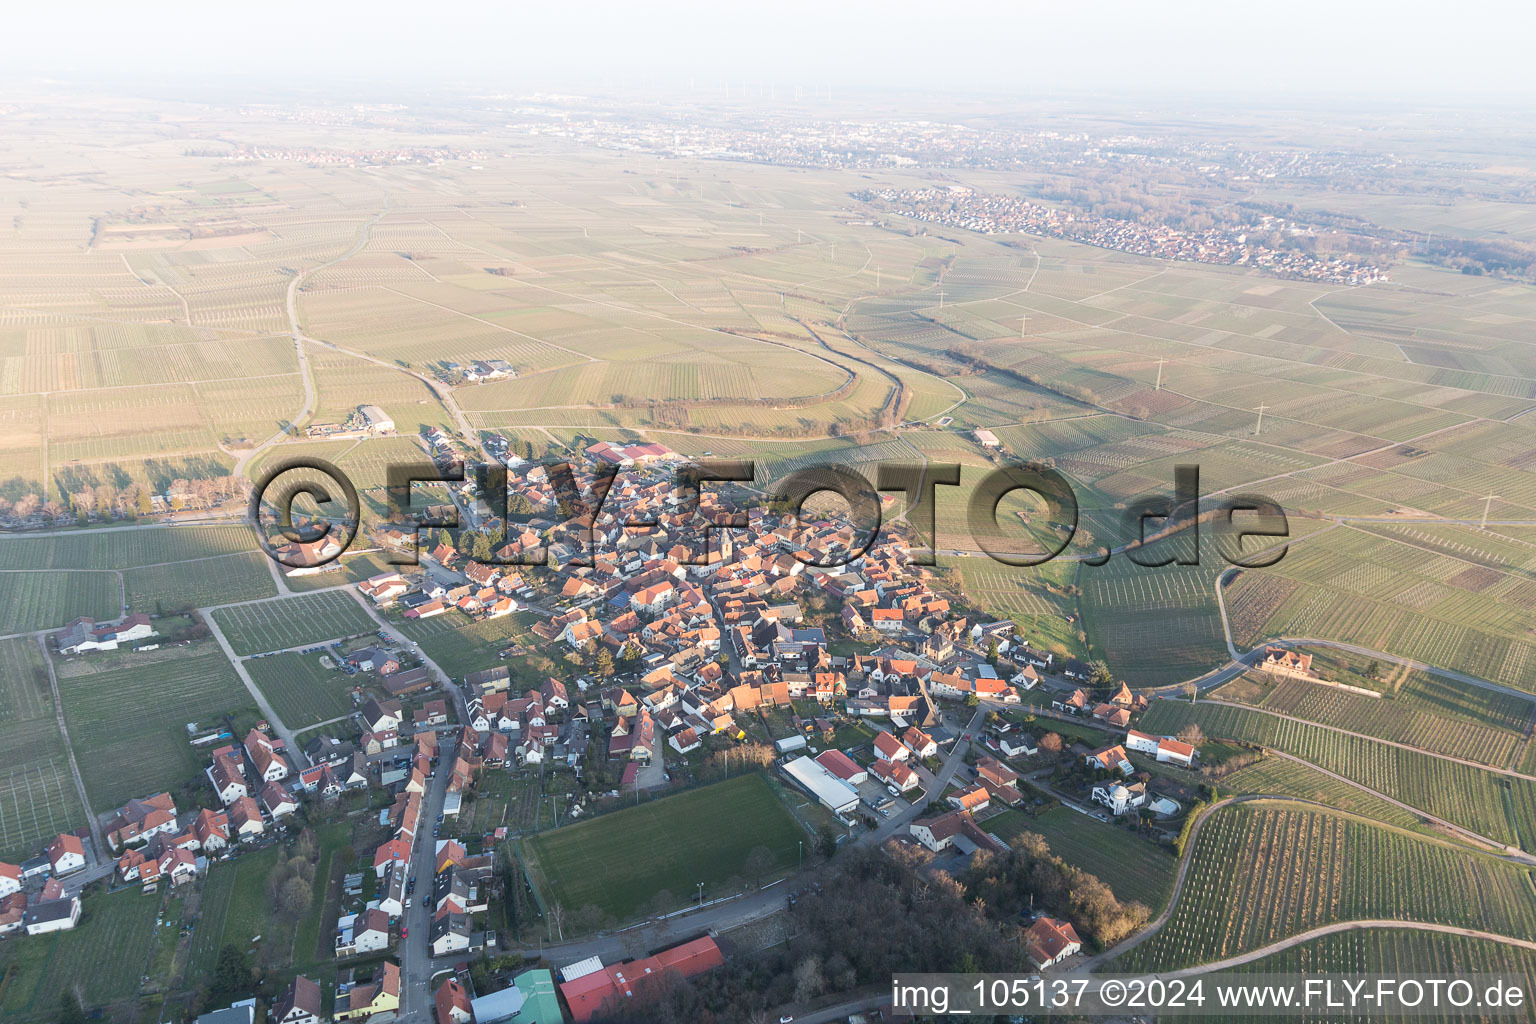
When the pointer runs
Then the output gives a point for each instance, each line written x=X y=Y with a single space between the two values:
x=1335 y=929
x=897 y=823
x=288 y=736
x=299 y=339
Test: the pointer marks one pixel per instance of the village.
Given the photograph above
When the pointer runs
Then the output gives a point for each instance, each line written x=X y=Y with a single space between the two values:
x=858 y=687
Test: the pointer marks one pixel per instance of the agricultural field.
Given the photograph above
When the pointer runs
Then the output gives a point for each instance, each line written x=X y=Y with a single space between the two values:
x=625 y=861
x=1134 y=868
x=1306 y=867
x=1385 y=592
x=1154 y=625
x=1279 y=776
x=461 y=645
x=213 y=579
x=1385 y=717
x=1499 y=807
x=105 y=955
x=124 y=549
x=292 y=622
x=1387 y=951
x=38 y=797
x=302 y=692
x=38 y=599
x=127 y=713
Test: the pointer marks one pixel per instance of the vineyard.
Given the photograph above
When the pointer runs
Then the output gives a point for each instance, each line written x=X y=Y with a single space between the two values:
x=292 y=622
x=1280 y=776
x=1502 y=808
x=1262 y=872
x=1384 y=951
x=1388 y=719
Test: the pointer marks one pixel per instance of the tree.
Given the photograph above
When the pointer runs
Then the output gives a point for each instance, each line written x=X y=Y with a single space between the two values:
x=294 y=897
x=1191 y=734
x=1051 y=743
x=231 y=977
x=1100 y=674
x=70 y=1010
x=808 y=980
x=992 y=650
x=604 y=662
x=826 y=841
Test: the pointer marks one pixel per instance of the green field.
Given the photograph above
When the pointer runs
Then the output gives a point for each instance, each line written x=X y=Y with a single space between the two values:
x=462 y=646
x=235 y=909
x=1279 y=776
x=620 y=861
x=1302 y=868
x=1387 y=718
x=301 y=691
x=126 y=714
x=104 y=955
x=1134 y=868
x=215 y=579
x=292 y=622
x=1503 y=808
x=1389 y=951
x=32 y=600
x=38 y=798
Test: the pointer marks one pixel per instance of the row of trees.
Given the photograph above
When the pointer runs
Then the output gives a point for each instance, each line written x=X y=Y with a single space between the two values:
x=106 y=501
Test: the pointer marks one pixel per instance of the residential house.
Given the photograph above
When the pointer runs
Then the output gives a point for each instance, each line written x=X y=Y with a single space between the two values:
x=66 y=854
x=300 y=1003
x=1049 y=941
x=382 y=995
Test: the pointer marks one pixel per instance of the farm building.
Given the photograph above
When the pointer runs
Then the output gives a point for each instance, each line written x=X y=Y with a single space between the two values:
x=377 y=419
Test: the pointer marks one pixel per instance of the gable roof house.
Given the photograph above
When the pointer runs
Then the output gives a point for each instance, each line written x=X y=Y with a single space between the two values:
x=300 y=1004
x=66 y=854
x=1049 y=941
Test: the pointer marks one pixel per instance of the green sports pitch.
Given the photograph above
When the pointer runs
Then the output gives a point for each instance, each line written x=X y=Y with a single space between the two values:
x=621 y=861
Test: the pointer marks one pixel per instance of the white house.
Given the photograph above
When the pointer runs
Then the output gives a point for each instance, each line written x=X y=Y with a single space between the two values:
x=1118 y=798
x=53 y=916
x=66 y=854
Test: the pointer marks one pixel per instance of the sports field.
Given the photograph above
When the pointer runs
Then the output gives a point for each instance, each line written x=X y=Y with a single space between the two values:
x=292 y=622
x=620 y=862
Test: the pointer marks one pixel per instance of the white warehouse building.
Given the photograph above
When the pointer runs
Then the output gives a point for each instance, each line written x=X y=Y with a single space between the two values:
x=833 y=793
x=378 y=420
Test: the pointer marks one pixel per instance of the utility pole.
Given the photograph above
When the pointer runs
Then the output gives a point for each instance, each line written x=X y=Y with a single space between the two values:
x=1023 y=326
x=941 y=296
x=1260 y=425
x=701 y=893
x=797 y=236
x=1487 y=504
x=802 y=852
x=834 y=252
x=1160 y=363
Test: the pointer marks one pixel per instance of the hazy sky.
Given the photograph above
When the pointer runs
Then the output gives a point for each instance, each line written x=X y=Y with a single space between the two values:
x=1227 y=48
